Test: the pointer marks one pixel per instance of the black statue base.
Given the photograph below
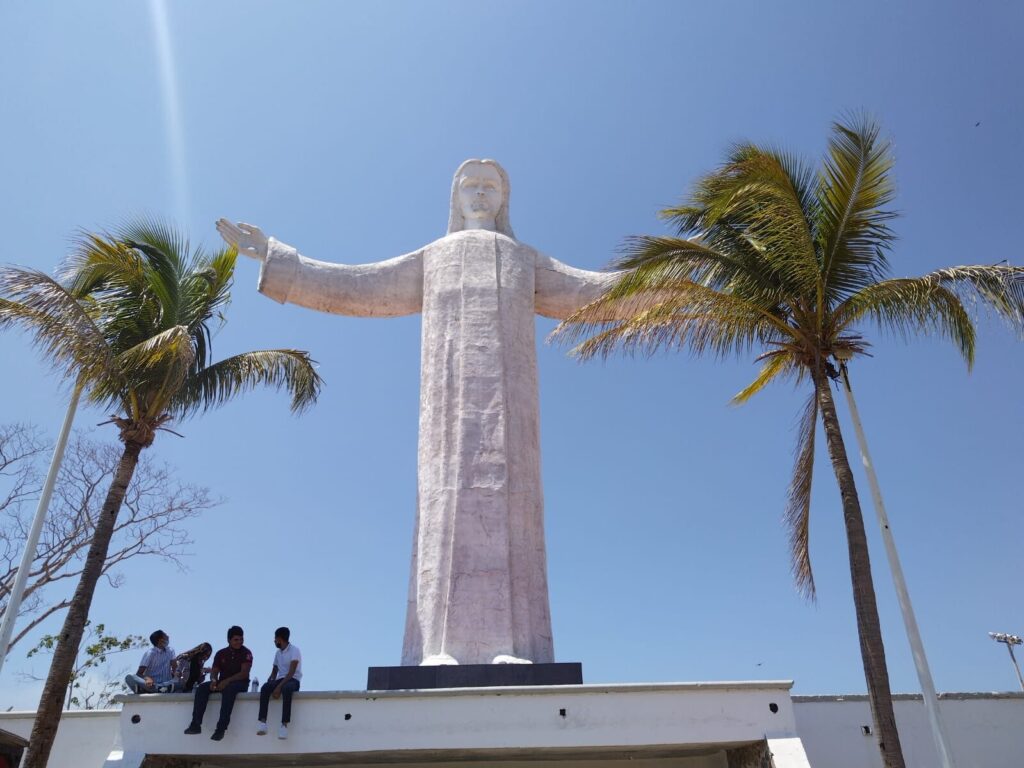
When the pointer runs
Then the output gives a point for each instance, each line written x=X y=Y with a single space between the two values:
x=473 y=676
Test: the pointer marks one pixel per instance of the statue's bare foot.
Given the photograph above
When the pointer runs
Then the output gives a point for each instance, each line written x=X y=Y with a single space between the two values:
x=438 y=660
x=504 y=658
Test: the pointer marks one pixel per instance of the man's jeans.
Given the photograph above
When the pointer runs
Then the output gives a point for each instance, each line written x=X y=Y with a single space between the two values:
x=287 y=689
x=227 y=702
x=139 y=685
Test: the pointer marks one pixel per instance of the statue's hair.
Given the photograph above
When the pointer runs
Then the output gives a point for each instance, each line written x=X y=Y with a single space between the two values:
x=457 y=222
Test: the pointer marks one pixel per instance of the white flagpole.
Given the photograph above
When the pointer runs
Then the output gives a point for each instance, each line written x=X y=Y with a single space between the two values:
x=924 y=675
x=14 y=603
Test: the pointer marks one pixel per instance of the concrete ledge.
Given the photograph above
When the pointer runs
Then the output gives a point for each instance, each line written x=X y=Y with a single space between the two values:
x=559 y=722
x=911 y=696
x=512 y=690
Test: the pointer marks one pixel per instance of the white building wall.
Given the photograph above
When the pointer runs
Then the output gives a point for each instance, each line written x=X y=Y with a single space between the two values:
x=986 y=730
x=84 y=739
x=682 y=719
x=693 y=724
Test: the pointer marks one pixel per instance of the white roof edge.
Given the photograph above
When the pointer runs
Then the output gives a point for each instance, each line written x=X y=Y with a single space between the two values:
x=21 y=713
x=523 y=690
x=953 y=696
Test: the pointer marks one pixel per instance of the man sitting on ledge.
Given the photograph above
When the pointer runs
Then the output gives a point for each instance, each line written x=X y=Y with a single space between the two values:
x=230 y=677
x=157 y=669
x=283 y=681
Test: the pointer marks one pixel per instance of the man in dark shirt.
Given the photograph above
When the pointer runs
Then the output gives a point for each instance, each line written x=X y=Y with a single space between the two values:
x=229 y=677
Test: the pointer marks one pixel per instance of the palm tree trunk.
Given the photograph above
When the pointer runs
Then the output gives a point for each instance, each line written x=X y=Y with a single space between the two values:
x=44 y=729
x=869 y=629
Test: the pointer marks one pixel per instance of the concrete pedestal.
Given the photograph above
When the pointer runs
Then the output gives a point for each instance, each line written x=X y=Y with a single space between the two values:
x=473 y=676
x=671 y=725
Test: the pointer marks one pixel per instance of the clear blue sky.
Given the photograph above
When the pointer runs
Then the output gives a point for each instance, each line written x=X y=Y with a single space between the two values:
x=337 y=126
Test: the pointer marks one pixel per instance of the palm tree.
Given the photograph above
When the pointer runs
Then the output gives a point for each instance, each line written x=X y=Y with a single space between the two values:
x=773 y=255
x=129 y=324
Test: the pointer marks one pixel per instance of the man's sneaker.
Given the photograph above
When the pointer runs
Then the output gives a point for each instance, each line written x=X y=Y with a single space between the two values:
x=282 y=732
x=261 y=728
x=164 y=688
x=193 y=729
x=217 y=735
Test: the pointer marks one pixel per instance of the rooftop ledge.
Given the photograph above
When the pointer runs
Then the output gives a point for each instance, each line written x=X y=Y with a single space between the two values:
x=519 y=690
x=433 y=728
x=541 y=717
x=951 y=696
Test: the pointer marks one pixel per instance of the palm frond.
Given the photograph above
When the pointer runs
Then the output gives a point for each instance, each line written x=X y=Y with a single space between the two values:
x=165 y=272
x=852 y=227
x=934 y=303
x=778 y=363
x=130 y=322
x=95 y=260
x=115 y=278
x=210 y=286
x=801 y=176
x=206 y=291
x=763 y=196
x=277 y=368
x=774 y=200
x=649 y=263
x=157 y=233
x=144 y=376
x=59 y=324
x=798 y=502
x=680 y=314
x=997 y=288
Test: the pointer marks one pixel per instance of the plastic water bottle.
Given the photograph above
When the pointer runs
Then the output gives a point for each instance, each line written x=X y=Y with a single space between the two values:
x=255 y=685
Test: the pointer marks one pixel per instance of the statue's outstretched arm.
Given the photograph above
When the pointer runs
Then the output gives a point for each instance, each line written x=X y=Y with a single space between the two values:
x=383 y=289
x=561 y=289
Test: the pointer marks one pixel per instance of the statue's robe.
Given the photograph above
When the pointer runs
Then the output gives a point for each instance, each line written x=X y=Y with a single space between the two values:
x=478 y=584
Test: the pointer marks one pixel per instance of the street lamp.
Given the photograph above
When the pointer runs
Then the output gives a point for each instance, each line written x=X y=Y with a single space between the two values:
x=1010 y=641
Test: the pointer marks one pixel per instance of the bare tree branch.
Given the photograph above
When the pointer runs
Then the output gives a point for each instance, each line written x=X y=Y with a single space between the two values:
x=152 y=522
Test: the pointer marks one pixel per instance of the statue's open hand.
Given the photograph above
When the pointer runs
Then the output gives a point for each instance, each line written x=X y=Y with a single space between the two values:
x=247 y=238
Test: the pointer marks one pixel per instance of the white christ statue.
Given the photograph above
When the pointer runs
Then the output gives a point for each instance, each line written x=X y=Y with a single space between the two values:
x=478 y=589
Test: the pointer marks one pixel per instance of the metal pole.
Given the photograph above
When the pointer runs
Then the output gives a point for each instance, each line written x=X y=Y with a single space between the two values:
x=18 y=591
x=1015 y=666
x=1010 y=641
x=924 y=675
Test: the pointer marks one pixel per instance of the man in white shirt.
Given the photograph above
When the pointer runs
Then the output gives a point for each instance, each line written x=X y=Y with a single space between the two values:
x=283 y=681
x=157 y=668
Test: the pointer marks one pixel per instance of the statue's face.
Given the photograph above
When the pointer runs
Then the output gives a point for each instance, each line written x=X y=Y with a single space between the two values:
x=480 y=195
